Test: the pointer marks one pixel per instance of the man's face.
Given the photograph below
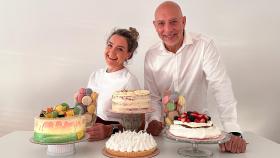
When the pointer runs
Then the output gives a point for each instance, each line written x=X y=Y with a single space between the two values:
x=170 y=24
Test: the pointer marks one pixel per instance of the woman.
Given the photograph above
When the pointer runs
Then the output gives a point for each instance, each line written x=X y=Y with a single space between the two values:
x=120 y=48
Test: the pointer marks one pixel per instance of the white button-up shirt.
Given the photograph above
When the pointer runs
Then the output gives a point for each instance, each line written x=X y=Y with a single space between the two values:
x=189 y=71
x=105 y=84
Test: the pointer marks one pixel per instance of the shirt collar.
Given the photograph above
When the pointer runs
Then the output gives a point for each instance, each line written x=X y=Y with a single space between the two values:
x=187 y=41
x=115 y=73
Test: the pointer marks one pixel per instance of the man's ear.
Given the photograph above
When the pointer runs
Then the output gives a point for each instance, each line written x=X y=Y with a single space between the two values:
x=184 y=20
x=154 y=22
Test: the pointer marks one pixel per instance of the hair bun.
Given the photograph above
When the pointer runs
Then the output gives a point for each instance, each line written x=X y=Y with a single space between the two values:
x=134 y=33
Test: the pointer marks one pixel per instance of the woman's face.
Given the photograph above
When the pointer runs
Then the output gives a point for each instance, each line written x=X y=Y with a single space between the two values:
x=116 y=53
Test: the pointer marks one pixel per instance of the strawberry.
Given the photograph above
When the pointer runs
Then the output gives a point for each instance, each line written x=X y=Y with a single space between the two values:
x=195 y=112
x=179 y=118
x=205 y=116
x=199 y=116
x=183 y=119
x=197 y=121
x=202 y=120
x=188 y=120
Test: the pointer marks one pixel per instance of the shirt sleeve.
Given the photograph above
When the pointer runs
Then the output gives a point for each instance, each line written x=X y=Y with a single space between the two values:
x=150 y=84
x=220 y=82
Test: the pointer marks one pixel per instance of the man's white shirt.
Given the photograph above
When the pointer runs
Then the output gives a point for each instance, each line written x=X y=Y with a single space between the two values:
x=189 y=71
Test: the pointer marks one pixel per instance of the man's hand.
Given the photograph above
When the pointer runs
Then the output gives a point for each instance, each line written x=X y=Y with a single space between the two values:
x=155 y=127
x=235 y=145
x=99 y=131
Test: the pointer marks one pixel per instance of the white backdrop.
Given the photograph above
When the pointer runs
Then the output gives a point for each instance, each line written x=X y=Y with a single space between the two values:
x=48 y=48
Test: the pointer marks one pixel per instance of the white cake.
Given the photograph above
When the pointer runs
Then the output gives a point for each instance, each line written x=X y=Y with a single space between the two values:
x=124 y=101
x=194 y=130
x=131 y=144
x=195 y=126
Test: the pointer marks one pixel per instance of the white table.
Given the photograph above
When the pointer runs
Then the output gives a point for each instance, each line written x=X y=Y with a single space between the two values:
x=17 y=145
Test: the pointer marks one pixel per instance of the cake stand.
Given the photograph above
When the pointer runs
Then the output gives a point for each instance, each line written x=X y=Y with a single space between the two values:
x=194 y=151
x=60 y=149
x=132 y=120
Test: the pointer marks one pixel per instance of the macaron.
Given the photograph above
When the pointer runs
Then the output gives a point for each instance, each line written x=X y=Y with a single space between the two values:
x=48 y=115
x=54 y=114
x=65 y=106
x=80 y=97
x=70 y=113
x=86 y=100
x=82 y=91
x=58 y=108
x=91 y=108
x=170 y=106
x=79 y=109
x=88 y=91
x=94 y=96
x=174 y=97
x=165 y=99
x=168 y=121
x=181 y=100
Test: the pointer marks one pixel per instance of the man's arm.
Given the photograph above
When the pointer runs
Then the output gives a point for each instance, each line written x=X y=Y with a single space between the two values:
x=154 y=121
x=220 y=82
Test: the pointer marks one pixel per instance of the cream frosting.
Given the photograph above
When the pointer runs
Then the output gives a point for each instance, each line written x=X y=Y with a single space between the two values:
x=198 y=133
x=129 y=141
x=193 y=124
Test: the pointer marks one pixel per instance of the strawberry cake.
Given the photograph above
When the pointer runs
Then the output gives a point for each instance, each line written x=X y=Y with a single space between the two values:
x=195 y=126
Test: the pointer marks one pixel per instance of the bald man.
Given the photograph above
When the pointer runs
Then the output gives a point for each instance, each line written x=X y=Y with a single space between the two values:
x=188 y=63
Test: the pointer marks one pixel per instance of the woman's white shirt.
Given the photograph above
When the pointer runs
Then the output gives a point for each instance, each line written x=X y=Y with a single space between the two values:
x=105 y=84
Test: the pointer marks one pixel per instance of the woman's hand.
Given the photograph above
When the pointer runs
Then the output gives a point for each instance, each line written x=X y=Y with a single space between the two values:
x=99 y=131
x=235 y=145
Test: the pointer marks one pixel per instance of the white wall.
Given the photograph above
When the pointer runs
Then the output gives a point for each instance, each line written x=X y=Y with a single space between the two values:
x=48 y=48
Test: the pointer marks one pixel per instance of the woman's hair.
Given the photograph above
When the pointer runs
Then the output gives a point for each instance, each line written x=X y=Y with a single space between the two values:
x=131 y=35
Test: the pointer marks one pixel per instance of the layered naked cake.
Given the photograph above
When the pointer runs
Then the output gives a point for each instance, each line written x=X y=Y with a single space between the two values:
x=131 y=144
x=195 y=126
x=124 y=101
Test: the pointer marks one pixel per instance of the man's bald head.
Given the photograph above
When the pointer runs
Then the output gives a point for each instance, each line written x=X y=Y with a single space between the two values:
x=168 y=6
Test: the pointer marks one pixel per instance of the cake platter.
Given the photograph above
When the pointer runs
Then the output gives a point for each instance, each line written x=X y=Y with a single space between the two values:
x=60 y=149
x=153 y=154
x=194 y=151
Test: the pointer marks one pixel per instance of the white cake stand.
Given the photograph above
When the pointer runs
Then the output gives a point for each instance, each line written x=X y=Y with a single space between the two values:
x=60 y=149
x=132 y=120
x=194 y=151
